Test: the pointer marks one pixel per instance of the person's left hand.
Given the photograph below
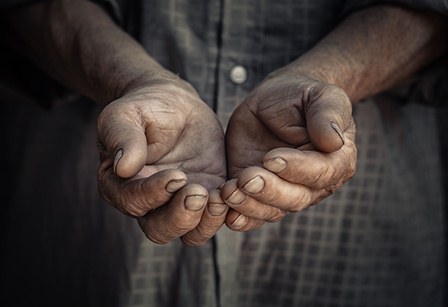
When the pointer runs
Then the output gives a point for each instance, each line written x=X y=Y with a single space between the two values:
x=289 y=145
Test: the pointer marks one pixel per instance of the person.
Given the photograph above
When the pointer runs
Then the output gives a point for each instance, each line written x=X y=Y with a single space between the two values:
x=288 y=145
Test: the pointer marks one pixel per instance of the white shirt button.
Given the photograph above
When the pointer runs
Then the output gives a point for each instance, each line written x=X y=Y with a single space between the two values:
x=238 y=74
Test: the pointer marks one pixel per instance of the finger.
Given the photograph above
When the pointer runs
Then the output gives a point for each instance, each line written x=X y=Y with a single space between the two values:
x=212 y=219
x=282 y=114
x=328 y=115
x=137 y=197
x=247 y=140
x=313 y=169
x=181 y=215
x=269 y=189
x=247 y=206
x=238 y=222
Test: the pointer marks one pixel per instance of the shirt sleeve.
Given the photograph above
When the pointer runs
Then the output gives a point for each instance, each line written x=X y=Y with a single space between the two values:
x=9 y=4
x=440 y=6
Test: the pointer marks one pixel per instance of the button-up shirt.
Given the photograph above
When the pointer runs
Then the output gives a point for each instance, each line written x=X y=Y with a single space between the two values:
x=376 y=242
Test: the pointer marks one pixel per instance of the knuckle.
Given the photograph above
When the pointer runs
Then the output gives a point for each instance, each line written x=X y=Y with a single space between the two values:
x=121 y=201
x=134 y=209
x=157 y=240
x=351 y=165
x=156 y=237
x=194 y=240
x=322 y=194
x=319 y=90
x=277 y=217
x=186 y=222
x=239 y=227
x=208 y=231
x=201 y=234
x=251 y=224
x=301 y=202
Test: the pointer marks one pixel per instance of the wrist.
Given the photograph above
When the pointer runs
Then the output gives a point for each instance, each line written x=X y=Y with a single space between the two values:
x=374 y=50
x=324 y=69
x=154 y=75
x=328 y=67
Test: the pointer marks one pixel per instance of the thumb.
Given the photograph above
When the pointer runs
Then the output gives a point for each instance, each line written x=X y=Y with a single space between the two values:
x=122 y=138
x=129 y=145
x=137 y=147
x=328 y=115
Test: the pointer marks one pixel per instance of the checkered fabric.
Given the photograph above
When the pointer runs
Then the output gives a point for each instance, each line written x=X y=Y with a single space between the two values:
x=378 y=241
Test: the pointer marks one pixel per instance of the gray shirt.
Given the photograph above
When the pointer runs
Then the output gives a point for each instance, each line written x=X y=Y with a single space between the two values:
x=378 y=241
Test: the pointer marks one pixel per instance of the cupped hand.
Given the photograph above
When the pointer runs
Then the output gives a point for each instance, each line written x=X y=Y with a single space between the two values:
x=289 y=145
x=162 y=158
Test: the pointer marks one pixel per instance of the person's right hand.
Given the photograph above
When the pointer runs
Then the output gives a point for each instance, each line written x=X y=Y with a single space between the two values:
x=162 y=150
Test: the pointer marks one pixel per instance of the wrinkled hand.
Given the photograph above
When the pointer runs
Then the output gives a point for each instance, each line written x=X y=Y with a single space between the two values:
x=161 y=150
x=289 y=145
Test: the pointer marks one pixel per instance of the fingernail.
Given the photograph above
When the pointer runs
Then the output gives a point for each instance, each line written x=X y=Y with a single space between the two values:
x=240 y=221
x=338 y=131
x=236 y=198
x=118 y=156
x=275 y=165
x=216 y=209
x=175 y=185
x=195 y=202
x=255 y=185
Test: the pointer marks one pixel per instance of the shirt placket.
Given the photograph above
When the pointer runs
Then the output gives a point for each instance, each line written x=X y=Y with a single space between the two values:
x=239 y=57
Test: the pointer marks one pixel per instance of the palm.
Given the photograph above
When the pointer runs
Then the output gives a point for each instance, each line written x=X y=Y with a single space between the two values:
x=177 y=135
x=269 y=118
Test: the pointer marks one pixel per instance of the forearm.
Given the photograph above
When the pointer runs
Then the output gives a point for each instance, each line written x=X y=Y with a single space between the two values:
x=80 y=46
x=375 y=49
